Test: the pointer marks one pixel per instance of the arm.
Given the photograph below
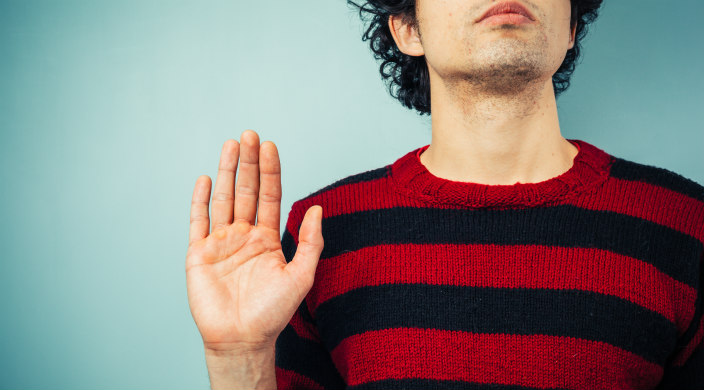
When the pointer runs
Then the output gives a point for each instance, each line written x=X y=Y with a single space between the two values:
x=685 y=367
x=302 y=361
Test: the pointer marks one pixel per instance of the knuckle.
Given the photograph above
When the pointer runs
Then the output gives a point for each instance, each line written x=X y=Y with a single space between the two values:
x=246 y=190
x=217 y=226
x=252 y=164
x=272 y=169
x=223 y=196
x=269 y=197
x=198 y=218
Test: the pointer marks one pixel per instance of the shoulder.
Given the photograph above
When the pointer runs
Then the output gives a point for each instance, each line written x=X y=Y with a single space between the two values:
x=350 y=182
x=343 y=195
x=670 y=198
x=658 y=177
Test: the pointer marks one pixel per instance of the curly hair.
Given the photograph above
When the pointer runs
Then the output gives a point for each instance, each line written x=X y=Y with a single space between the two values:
x=407 y=76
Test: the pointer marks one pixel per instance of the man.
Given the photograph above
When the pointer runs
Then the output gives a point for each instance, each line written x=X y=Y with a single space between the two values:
x=501 y=255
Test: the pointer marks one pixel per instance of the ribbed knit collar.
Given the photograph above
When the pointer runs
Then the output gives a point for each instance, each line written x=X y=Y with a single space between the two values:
x=590 y=168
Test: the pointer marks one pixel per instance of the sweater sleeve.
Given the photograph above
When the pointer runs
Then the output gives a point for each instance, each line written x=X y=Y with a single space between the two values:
x=302 y=361
x=685 y=368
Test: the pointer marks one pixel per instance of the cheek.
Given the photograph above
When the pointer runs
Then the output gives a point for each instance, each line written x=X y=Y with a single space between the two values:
x=559 y=35
x=444 y=41
x=559 y=46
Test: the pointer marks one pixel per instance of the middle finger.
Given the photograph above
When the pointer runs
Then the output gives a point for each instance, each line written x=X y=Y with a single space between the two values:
x=247 y=189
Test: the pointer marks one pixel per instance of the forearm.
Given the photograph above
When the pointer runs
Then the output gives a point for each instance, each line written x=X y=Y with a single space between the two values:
x=244 y=370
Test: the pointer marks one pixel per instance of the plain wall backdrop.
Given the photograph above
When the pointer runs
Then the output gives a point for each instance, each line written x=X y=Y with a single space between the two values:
x=110 y=110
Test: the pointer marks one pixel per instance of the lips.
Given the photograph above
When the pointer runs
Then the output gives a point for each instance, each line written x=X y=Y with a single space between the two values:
x=506 y=7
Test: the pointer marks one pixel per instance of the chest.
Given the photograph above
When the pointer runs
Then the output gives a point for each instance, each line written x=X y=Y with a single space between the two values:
x=524 y=301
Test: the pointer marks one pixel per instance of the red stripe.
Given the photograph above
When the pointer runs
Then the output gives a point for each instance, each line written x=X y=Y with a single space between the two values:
x=637 y=199
x=510 y=266
x=345 y=199
x=653 y=203
x=286 y=379
x=534 y=360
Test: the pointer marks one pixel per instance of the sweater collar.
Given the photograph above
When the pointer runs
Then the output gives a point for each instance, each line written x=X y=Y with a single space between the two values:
x=590 y=168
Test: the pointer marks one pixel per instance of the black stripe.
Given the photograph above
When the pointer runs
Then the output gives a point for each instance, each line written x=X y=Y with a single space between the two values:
x=674 y=253
x=629 y=170
x=571 y=313
x=305 y=313
x=288 y=245
x=689 y=376
x=306 y=358
x=416 y=383
x=370 y=175
x=691 y=331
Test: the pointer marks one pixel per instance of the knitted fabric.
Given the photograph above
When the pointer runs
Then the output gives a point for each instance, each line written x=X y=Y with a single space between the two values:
x=592 y=279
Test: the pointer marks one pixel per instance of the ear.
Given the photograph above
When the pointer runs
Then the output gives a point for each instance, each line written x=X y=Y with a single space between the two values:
x=406 y=36
x=573 y=32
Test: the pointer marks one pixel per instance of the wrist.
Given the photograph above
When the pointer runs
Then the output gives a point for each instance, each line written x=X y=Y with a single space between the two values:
x=242 y=366
x=229 y=350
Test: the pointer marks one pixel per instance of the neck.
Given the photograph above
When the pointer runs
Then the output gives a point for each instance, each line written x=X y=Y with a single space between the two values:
x=495 y=138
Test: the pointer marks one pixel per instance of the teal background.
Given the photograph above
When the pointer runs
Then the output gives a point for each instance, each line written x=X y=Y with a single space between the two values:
x=109 y=111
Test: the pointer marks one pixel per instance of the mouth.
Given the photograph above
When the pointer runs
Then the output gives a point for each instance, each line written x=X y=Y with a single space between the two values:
x=507 y=12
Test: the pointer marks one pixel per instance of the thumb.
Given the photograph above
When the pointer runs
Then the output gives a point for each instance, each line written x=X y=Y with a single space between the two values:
x=310 y=246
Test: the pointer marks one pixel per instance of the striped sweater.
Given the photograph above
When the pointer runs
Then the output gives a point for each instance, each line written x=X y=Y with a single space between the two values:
x=589 y=280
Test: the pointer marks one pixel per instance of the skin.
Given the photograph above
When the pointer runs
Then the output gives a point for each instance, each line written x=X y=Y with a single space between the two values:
x=494 y=115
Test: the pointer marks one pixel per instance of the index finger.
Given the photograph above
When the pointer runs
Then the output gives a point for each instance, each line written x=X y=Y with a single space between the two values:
x=269 y=208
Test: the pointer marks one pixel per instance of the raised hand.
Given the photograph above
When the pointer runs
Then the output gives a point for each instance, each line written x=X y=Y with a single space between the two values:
x=241 y=291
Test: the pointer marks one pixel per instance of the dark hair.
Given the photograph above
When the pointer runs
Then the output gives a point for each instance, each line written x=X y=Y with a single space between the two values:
x=407 y=76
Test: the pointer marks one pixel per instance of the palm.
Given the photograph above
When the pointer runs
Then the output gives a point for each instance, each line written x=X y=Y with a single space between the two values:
x=240 y=287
